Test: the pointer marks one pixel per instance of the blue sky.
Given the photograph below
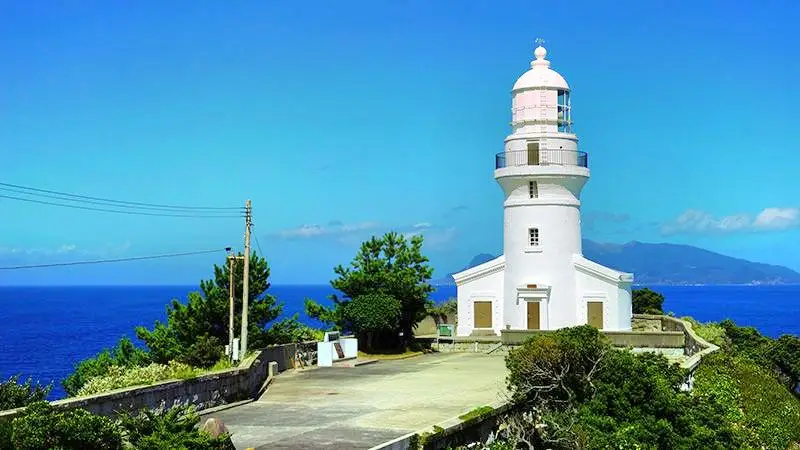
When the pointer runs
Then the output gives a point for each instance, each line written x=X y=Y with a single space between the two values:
x=344 y=119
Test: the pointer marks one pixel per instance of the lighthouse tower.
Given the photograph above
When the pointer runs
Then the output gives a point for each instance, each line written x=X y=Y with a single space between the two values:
x=542 y=281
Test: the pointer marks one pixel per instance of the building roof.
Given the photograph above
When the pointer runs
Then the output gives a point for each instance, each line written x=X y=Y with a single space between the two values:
x=481 y=270
x=601 y=271
x=540 y=75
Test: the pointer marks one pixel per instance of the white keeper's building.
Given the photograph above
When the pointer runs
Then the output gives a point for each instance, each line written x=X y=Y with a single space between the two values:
x=542 y=281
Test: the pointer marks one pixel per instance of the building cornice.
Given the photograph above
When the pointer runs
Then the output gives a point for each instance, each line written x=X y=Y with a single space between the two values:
x=543 y=201
x=482 y=270
x=592 y=268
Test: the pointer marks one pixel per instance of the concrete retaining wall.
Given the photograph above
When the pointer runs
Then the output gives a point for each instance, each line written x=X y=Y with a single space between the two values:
x=206 y=391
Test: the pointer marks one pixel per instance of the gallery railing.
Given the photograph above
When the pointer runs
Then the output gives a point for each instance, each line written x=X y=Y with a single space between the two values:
x=541 y=157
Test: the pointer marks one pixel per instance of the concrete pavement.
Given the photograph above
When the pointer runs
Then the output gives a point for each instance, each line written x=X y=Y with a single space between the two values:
x=364 y=406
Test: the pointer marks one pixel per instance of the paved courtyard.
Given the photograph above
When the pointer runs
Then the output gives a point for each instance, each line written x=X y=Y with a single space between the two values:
x=364 y=406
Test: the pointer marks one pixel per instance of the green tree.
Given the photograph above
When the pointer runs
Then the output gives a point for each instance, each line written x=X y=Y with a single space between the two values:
x=371 y=315
x=197 y=331
x=124 y=354
x=646 y=301
x=391 y=265
x=447 y=310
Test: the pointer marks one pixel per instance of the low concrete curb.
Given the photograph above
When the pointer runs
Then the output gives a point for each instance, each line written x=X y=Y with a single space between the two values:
x=441 y=431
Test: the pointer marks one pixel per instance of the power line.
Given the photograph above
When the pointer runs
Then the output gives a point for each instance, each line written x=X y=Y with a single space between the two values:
x=117 y=203
x=259 y=246
x=102 y=203
x=103 y=261
x=208 y=214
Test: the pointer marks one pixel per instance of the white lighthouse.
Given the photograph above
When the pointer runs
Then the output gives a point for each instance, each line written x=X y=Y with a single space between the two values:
x=542 y=281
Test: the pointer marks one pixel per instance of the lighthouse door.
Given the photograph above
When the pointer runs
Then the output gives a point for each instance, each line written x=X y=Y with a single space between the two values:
x=533 y=316
x=533 y=153
x=594 y=311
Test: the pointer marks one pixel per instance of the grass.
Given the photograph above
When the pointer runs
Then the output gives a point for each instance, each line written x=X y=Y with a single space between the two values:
x=389 y=356
x=477 y=412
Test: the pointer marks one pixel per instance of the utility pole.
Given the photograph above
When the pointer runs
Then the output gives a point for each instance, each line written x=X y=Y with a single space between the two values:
x=231 y=259
x=246 y=282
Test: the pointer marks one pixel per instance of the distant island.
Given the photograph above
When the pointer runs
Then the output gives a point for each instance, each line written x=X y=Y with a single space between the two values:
x=671 y=264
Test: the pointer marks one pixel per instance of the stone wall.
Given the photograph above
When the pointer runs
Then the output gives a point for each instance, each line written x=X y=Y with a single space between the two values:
x=214 y=389
x=693 y=344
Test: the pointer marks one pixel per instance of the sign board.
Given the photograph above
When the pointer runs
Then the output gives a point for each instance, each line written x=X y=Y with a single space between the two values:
x=331 y=336
x=446 y=330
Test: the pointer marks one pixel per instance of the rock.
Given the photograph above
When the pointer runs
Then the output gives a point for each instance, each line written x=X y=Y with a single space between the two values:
x=214 y=427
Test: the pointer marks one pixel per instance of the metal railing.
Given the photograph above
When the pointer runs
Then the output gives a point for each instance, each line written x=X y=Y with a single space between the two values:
x=541 y=157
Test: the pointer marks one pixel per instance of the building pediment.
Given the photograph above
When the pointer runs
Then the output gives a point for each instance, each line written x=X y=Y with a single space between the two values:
x=480 y=271
x=600 y=271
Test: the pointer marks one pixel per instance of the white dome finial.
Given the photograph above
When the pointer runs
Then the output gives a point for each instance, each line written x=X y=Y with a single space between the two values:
x=540 y=53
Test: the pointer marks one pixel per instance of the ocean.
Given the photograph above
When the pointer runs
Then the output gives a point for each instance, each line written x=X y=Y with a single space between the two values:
x=45 y=331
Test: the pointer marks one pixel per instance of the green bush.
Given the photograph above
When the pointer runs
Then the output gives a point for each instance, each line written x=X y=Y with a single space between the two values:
x=646 y=301
x=711 y=331
x=585 y=394
x=44 y=427
x=14 y=394
x=766 y=412
x=118 y=377
x=174 y=428
x=371 y=315
x=124 y=354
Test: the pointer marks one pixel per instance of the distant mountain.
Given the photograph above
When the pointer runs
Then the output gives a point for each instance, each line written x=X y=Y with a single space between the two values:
x=674 y=264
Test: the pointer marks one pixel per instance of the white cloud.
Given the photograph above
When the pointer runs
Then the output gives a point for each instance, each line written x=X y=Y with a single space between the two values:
x=697 y=221
x=355 y=233
x=777 y=218
x=333 y=228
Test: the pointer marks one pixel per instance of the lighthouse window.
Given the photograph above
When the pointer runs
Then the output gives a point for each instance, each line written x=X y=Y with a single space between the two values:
x=533 y=237
x=564 y=112
x=533 y=189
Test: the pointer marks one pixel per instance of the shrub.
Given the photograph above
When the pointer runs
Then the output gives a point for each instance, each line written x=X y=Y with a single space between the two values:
x=710 y=331
x=581 y=393
x=646 y=301
x=173 y=428
x=16 y=395
x=371 y=315
x=785 y=354
x=125 y=354
x=766 y=412
x=557 y=367
x=44 y=427
x=120 y=377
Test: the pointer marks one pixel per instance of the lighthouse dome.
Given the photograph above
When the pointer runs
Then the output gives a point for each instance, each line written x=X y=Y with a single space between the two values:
x=540 y=74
